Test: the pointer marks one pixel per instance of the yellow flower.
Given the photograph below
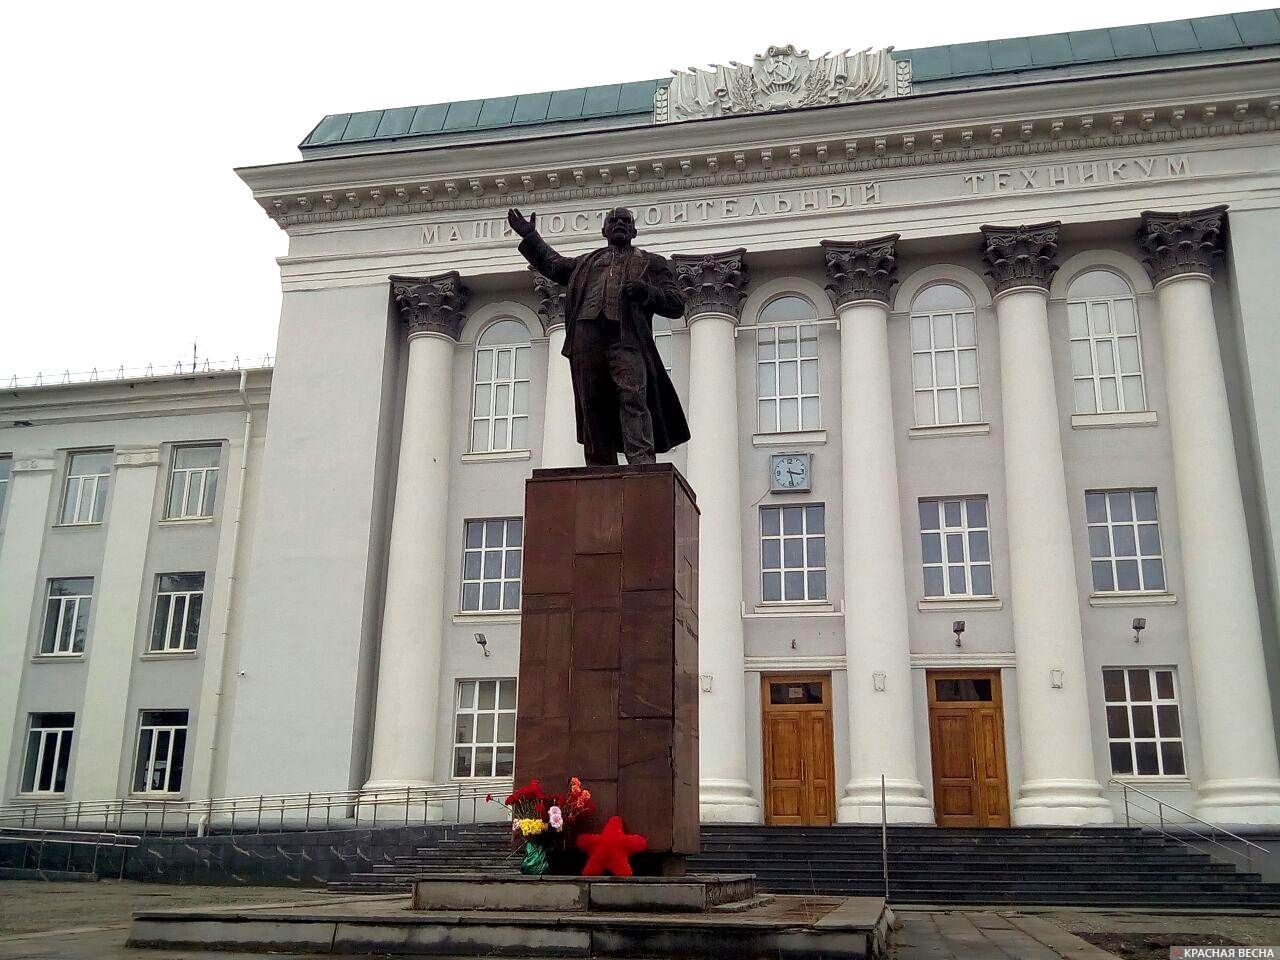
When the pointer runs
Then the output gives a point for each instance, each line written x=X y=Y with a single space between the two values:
x=532 y=826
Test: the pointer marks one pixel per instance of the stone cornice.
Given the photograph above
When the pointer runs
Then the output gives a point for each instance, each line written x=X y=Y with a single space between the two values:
x=861 y=269
x=431 y=304
x=1021 y=256
x=1182 y=243
x=590 y=165
x=712 y=283
x=551 y=300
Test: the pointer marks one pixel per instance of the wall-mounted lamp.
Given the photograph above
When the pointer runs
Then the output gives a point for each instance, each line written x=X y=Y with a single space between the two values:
x=957 y=627
x=484 y=644
x=1139 y=624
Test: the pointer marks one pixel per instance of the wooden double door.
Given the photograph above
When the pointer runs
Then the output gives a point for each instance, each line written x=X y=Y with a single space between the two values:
x=799 y=771
x=966 y=731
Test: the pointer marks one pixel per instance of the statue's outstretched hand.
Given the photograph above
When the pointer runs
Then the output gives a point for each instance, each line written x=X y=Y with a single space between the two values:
x=519 y=224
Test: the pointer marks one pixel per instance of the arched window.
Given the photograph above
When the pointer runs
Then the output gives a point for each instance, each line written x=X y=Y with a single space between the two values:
x=944 y=357
x=787 y=366
x=1106 y=353
x=500 y=408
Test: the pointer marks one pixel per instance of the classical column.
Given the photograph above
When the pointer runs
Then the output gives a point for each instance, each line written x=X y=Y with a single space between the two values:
x=1241 y=780
x=112 y=649
x=560 y=447
x=881 y=714
x=714 y=287
x=404 y=731
x=1060 y=785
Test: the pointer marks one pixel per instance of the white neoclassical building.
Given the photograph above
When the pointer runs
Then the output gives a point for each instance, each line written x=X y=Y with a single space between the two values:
x=979 y=356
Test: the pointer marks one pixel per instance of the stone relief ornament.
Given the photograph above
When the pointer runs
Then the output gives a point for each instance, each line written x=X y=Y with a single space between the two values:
x=782 y=78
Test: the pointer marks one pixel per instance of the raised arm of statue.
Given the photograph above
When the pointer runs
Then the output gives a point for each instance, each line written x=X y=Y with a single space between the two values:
x=537 y=251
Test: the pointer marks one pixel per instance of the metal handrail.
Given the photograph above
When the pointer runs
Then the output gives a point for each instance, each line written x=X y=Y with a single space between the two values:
x=1162 y=805
x=252 y=814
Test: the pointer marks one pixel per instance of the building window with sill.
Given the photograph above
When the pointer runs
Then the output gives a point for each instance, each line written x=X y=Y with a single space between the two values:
x=484 y=739
x=84 y=497
x=162 y=748
x=663 y=339
x=44 y=768
x=491 y=565
x=179 y=599
x=1144 y=728
x=944 y=357
x=66 y=617
x=1124 y=541
x=787 y=366
x=500 y=401
x=1106 y=350
x=193 y=482
x=955 y=546
x=793 y=553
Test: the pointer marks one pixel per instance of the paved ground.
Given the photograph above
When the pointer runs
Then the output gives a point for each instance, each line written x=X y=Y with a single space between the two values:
x=89 y=921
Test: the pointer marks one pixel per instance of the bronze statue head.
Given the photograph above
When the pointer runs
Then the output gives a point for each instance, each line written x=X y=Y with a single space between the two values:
x=619 y=226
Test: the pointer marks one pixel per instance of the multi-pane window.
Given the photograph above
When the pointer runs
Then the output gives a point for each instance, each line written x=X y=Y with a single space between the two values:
x=1144 y=729
x=44 y=769
x=484 y=738
x=1106 y=354
x=793 y=553
x=66 y=616
x=162 y=748
x=491 y=561
x=179 y=598
x=500 y=407
x=787 y=366
x=6 y=470
x=944 y=357
x=662 y=338
x=955 y=544
x=1124 y=540
x=85 y=496
x=193 y=482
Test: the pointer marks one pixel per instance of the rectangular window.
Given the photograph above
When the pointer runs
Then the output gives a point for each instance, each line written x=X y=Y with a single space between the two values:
x=793 y=553
x=193 y=482
x=955 y=545
x=179 y=598
x=44 y=769
x=85 y=496
x=6 y=470
x=162 y=748
x=484 y=738
x=787 y=378
x=66 y=616
x=1106 y=355
x=491 y=565
x=1124 y=541
x=1144 y=728
x=944 y=367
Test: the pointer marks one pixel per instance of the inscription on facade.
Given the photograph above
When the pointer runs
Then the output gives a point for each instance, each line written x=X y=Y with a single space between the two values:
x=904 y=191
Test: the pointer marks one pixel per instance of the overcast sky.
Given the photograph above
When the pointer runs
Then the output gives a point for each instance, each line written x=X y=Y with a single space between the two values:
x=127 y=234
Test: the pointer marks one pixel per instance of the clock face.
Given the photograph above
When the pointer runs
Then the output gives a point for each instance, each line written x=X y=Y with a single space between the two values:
x=791 y=471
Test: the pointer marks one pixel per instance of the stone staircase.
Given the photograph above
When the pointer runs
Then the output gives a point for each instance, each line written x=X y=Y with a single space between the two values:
x=1087 y=866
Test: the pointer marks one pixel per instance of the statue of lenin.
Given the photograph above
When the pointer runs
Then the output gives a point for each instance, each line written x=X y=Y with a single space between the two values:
x=623 y=397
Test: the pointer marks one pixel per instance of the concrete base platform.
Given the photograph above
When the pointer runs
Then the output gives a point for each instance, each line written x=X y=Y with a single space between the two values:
x=779 y=928
x=470 y=891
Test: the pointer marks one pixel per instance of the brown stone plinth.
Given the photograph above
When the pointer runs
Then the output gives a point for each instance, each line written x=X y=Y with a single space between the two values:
x=609 y=648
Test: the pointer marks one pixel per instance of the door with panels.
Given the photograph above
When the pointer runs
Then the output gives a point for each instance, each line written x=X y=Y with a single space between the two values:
x=799 y=774
x=966 y=734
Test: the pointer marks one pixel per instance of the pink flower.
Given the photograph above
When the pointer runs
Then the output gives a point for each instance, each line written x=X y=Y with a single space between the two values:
x=556 y=817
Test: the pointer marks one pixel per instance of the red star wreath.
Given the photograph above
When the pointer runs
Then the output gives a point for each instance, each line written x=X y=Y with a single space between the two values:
x=610 y=850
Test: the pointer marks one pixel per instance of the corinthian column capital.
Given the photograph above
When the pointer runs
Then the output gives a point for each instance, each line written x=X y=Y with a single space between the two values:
x=712 y=282
x=1021 y=256
x=431 y=304
x=861 y=269
x=551 y=300
x=1182 y=243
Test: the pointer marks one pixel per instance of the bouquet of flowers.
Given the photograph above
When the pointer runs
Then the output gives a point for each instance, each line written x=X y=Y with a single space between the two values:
x=544 y=821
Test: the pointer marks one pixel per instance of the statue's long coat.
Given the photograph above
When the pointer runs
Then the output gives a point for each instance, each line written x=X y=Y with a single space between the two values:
x=669 y=426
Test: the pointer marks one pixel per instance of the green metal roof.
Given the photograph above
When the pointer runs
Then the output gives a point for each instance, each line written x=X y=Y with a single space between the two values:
x=1197 y=35
x=619 y=101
